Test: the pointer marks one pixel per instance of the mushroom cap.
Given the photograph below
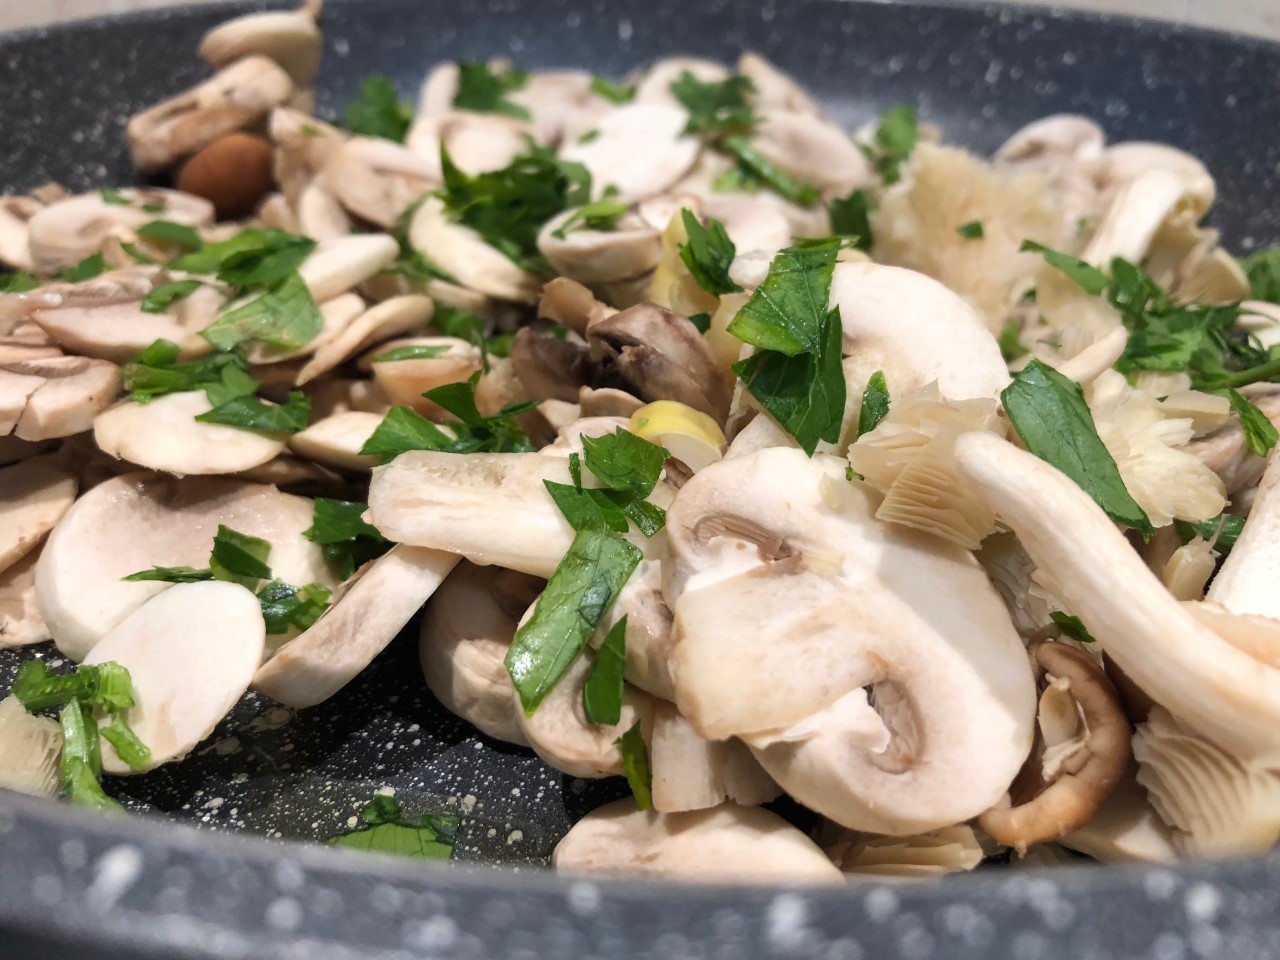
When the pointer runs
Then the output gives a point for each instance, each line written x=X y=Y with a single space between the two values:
x=164 y=434
x=629 y=249
x=55 y=396
x=728 y=844
x=364 y=616
x=290 y=38
x=811 y=149
x=462 y=252
x=655 y=85
x=466 y=630
x=34 y=495
x=29 y=751
x=405 y=381
x=140 y=520
x=182 y=690
x=336 y=440
x=642 y=150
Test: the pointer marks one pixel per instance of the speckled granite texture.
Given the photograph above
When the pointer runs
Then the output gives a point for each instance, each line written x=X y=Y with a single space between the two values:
x=143 y=888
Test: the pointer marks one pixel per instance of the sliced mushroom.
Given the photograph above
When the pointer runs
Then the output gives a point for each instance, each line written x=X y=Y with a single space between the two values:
x=336 y=440
x=641 y=150
x=953 y=849
x=1140 y=208
x=29 y=750
x=363 y=617
x=141 y=520
x=304 y=147
x=337 y=315
x=340 y=394
x=182 y=690
x=34 y=496
x=1246 y=583
x=729 y=844
x=343 y=263
x=15 y=212
x=765 y=582
x=65 y=233
x=655 y=85
x=405 y=381
x=464 y=254
x=382 y=321
x=466 y=630
x=630 y=248
x=773 y=88
x=236 y=97
x=378 y=179
x=165 y=435
x=1126 y=829
x=20 y=620
x=556 y=100
x=290 y=38
x=320 y=216
x=812 y=150
x=54 y=396
x=550 y=368
x=690 y=773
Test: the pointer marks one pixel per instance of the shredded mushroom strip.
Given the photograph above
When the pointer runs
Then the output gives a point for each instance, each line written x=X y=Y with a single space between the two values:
x=725 y=451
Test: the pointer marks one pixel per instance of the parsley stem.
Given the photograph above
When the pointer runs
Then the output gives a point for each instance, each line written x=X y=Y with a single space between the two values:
x=1233 y=381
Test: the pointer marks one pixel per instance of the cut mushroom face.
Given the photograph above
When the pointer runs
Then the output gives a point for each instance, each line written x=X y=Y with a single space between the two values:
x=1126 y=829
x=20 y=620
x=460 y=250
x=641 y=150
x=378 y=179
x=629 y=249
x=391 y=318
x=236 y=97
x=138 y=521
x=363 y=617
x=340 y=264
x=34 y=496
x=728 y=844
x=291 y=39
x=466 y=630
x=1246 y=583
x=29 y=751
x=336 y=440
x=690 y=773
x=953 y=849
x=183 y=690
x=54 y=396
x=404 y=381
x=787 y=571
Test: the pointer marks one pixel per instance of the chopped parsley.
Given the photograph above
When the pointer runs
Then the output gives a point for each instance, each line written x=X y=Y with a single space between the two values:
x=285 y=316
x=1221 y=532
x=702 y=321
x=602 y=691
x=87 y=269
x=253 y=413
x=613 y=92
x=1263 y=270
x=347 y=539
x=635 y=765
x=708 y=255
x=973 y=230
x=412 y=351
x=178 y=235
x=388 y=830
x=114 y=197
x=484 y=90
x=1071 y=626
x=596 y=215
x=379 y=112
x=1259 y=432
x=851 y=217
x=163 y=297
x=893 y=142
x=875 y=403
x=1010 y=341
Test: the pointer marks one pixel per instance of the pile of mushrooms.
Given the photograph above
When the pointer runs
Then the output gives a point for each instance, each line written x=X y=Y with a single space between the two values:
x=876 y=630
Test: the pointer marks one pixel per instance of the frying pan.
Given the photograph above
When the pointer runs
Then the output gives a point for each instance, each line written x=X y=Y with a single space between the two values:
x=75 y=884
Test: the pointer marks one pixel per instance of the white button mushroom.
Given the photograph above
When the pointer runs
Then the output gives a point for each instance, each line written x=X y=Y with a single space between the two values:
x=378 y=179
x=342 y=263
x=336 y=440
x=382 y=321
x=29 y=751
x=641 y=150
x=34 y=496
x=464 y=254
x=290 y=38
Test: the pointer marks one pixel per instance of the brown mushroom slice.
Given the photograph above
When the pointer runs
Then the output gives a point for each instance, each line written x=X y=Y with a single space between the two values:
x=34 y=496
x=491 y=508
x=690 y=773
x=383 y=321
x=65 y=233
x=641 y=151
x=119 y=332
x=343 y=263
x=20 y=620
x=630 y=248
x=404 y=381
x=232 y=99
x=791 y=601
x=466 y=630
x=377 y=179
x=30 y=747
x=54 y=396
x=729 y=844
x=336 y=440
x=550 y=368
x=165 y=435
x=365 y=614
x=290 y=38
x=340 y=394
x=953 y=849
x=462 y=252
x=78 y=578
x=1082 y=760
x=183 y=690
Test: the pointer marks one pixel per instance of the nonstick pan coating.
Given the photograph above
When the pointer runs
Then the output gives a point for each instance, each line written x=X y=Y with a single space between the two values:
x=76 y=885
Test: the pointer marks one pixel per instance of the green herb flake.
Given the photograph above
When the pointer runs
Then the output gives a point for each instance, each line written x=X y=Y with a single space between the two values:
x=171 y=575
x=1221 y=532
x=1010 y=341
x=178 y=235
x=1259 y=432
x=286 y=607
x=18 y=282
x=254 y=413
x=787 y=312
x=602 y=691
x=379 y=112
x=753 y=162
x=157 y=372
x=81 y=763
x=1051 y=416
x=1263 y=270
x=613 y=92
x=708 y=254
x=602 y=215
x=875 y=403
x=429 y=837
x=251 y=258
x=163 y=297
x=635 y=764
x=1092 y=280
x=1071 y=626
x=239 y=558
x=484 y=89
x=347 y=539
x=104 y=686
x=625 y=462
x=893 y=143
x=285 y=316
x=716 y=109
x=973 y=230
x=128 y=747
x=114 y=197
x=413 y=351
x=86 y=269
x=851 y=217
x=701 y=321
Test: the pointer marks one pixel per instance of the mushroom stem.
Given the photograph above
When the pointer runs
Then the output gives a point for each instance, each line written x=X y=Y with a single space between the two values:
x=1217 y=690
x=1247 y=581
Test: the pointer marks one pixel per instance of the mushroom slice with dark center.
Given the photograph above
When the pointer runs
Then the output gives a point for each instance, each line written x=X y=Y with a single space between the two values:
x=551 y=368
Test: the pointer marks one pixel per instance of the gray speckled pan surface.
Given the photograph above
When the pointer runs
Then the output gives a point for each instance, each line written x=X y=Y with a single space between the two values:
x=75 y=885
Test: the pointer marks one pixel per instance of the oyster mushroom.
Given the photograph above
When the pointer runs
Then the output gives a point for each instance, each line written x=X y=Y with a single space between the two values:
x=467 y=627
x=54 y=396
x=236 y=97
x=953 y=849
x=764 y=583
x=377 y=179
x=182 y=690
x=641 y=150
x=20 y=620
x=64 y=233
x=550 y=368
x=1085 y=738
x=34 y=496
x=165 y=435
x=336 y=440
x=727 y=844
x=29 y=750
x=1140 y=208
x=464 y=254
x=390 y=318
x=1246 y=582
x=304 y=147
x=630 y=248
x=364 y=615
x=1126 y=829
x=78 y=578
x=290 y=38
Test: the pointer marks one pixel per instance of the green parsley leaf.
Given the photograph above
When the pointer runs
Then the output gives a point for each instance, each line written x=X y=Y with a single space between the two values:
x=602 y=691
x=787 y=312
x=429 y=837
x=1089 y=277
x=171 y=575
x=737 y=180
x=346 y=537
x=1259 y=432
x=114 y=197
x=136 y=255
x=453 y=322
x=79 y=783
x=403 y=429
x=635 y=764
x=894 y=141
x=251 y=258
x=86 y=269
x=875 y=403
x=575 y=470
x=286 y=607
x=1263 y=270
x=973 y=230
x=174 y=234
x=253 y=413
x=410 y=263
x=378 y=111
x=702 y=321
x=413 y=351
x=597 y=215
x=578 y=595
x=163 y=297
x=589 y=137
x=485 y=90
x=625 y=462
x=1010 y=341
x=18 y=282
x=851 y=217
x=157 y=372
x=239 y=558
x=613 y=92
x=129 y=748
x=708 y=254
x=588 y=509
x=1222 y=531
x=716 y=109
x=1053 y=420
x=1071 y=626
x=285 y=316
x=775 y=178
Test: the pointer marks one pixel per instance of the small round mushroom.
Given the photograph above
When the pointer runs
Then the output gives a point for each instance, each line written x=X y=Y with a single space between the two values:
x=182 y=690
x=728 y=844
x=78 y=578
x=364 y=615
x=465 y=255
x=29 y=750
x=234 y=173
x=466 y=630
x=34 y=496
x=641 y=150
x=54 y=396
x=320 y=216
x=290 y=38
x=336 y=440
x=20 y=620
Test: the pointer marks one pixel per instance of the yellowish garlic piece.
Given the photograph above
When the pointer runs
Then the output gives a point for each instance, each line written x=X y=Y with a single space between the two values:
x=1167 y=482
x=672 y=285
x=690 y=436
x=951 y=849
x=1188 y=571
x=29 y=751
x=1217 y=804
